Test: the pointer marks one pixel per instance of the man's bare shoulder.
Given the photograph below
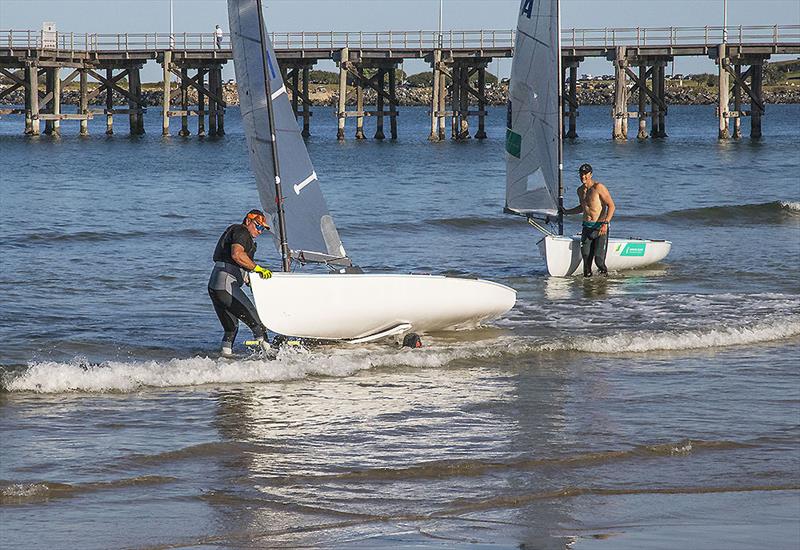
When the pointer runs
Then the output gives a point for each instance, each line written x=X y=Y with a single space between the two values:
x=601 y=187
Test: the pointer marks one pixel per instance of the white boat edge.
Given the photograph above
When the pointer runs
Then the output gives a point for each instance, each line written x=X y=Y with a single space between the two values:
x=363 y=307
x=563 y=254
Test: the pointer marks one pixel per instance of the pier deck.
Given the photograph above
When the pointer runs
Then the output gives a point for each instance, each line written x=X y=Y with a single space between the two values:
x=367 y=59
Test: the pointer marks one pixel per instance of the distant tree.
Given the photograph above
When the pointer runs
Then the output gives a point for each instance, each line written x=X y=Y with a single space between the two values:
x=705 y=79
x=323 y=77
x=420 y=80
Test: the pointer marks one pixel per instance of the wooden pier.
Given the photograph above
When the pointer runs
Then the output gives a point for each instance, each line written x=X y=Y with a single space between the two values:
x=34 y=61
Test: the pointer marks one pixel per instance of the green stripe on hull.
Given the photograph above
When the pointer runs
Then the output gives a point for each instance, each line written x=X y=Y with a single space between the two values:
x=631 y=249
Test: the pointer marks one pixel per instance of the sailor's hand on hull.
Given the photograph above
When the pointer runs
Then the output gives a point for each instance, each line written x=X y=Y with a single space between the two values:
x=262 y=271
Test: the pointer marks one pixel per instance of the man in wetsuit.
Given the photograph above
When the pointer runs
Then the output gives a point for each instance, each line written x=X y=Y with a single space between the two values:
x=598 y=208
x=233 y=262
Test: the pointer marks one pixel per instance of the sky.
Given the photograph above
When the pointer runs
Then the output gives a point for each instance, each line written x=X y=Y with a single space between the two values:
x=138 y=16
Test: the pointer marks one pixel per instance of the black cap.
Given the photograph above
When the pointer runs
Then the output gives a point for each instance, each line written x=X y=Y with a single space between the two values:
x=585 y=168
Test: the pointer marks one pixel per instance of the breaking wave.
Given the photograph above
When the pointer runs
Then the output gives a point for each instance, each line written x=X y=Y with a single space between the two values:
x=17 y=493
x=291 y=364
x=677 y=340
x=296 y=364
x=763 y=213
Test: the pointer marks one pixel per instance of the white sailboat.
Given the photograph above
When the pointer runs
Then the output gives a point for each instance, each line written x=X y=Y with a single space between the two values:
x=534 y=159
x=345 y=304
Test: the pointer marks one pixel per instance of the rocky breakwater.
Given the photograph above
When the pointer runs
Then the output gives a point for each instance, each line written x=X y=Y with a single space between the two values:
x=595 y=93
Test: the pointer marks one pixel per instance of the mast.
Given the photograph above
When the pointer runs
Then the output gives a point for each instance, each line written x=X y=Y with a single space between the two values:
x=560 y=123
x=285 y=254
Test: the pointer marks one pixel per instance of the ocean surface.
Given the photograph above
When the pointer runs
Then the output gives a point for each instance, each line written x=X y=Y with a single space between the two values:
x=656 y=409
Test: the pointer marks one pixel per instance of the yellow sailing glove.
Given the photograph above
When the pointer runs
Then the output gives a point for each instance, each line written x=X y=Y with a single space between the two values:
x=262 y=271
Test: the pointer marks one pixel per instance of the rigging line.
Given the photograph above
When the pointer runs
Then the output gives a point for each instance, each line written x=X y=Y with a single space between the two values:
x=268 y=70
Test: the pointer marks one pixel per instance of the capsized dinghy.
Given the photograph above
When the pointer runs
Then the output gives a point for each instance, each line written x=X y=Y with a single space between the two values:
x=345 y=304
x=534 y=157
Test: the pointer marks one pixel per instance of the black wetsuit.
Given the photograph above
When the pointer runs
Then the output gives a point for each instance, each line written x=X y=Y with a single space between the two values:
x=593 y=247
x=225 y=285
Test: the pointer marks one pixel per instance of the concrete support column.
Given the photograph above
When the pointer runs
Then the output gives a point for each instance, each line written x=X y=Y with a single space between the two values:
x=83 y=105
x=33 y=98
x=306 y=111
x=724 y=99
x=620 y=112
x=344 y=55
x=166 y=90
x=437 y=57
x=381 y=88
x=109 y=104
x=481 y=133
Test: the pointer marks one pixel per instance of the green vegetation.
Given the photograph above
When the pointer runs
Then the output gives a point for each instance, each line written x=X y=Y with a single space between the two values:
x=425 y=80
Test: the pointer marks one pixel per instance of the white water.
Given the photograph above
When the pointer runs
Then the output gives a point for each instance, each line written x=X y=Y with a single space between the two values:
x=295 y=364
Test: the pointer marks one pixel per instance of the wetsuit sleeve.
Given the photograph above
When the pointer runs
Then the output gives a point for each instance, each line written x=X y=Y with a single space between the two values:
x=242 y=237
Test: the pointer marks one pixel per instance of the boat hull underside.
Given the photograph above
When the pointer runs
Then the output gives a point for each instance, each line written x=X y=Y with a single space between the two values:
x=563 y=254
x=359 y=306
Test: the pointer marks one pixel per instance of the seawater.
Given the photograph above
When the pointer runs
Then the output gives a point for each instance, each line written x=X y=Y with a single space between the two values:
x=658 y=408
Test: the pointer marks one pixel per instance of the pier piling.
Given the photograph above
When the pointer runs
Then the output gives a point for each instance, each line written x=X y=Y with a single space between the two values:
x=166 y=91
x=83 y=104
x=344 y=55
x=620 y=112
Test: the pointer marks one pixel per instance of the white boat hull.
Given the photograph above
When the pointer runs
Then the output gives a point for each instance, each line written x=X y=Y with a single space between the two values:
x=363 y=307
x=563 y=254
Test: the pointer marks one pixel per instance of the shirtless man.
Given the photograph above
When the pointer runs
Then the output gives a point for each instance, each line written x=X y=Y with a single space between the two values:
x=598 y=208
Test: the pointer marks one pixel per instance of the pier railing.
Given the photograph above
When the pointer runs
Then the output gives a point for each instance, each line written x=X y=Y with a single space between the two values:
x=408 y=40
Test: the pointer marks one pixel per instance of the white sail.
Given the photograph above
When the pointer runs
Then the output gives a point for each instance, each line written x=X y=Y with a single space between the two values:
x=310 y=231
x=533 y=136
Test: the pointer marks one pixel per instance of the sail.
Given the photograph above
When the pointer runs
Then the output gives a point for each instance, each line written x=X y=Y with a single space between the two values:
x=532 y=137
x=310 y=231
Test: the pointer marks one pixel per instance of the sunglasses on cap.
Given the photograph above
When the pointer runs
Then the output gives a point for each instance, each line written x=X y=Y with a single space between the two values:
x=260 y=227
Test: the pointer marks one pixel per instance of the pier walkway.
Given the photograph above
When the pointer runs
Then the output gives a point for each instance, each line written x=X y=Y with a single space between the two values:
x=368 y=61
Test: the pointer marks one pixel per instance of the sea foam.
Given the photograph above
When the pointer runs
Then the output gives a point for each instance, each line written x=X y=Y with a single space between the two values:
x=688 y=339
x=342 y=361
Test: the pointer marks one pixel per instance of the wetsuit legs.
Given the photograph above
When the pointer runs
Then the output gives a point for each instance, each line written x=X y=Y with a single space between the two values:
x=229 y=322
x=587 y=251
x=231 y=308
x=600 y=248
x=593 y=250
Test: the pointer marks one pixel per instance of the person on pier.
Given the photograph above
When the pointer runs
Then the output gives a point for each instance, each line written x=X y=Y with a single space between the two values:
x=598 y=208
x=218 y=36
x=233 y=264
